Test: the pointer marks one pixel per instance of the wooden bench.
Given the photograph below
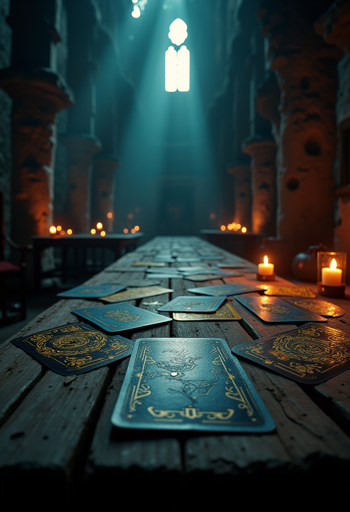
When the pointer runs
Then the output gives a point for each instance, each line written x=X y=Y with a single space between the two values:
x=58 y=448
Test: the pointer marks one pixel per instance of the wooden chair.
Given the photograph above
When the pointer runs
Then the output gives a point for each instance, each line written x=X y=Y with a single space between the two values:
x=10 y=271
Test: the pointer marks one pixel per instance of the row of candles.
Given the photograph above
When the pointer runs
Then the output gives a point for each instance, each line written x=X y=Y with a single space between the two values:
x=331 y=279
x=234 y=226
x=58 y=230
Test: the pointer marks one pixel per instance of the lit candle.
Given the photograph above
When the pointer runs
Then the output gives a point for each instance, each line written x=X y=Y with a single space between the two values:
x=266 y=268
x=331 y=276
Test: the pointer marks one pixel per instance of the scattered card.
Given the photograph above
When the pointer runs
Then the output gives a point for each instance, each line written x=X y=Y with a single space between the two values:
x=231 y=265
x=193 y=304
x=148 y=264
x=310 y=354
x=141 y=283
x=164 y=276
x=136 y=293
x=120 y=317
x=274 y=310
x=92 y=291
x=188 y=384
x=74 y=348
x=224 y=289
x=124 y=269
x=320 y=307
x=225 y=312
x=202 y=277
x=287 y=291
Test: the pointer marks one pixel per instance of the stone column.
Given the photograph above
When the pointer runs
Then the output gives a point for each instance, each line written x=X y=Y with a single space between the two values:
x=80 y=139
x=334 y=26
x=38 y=93
x=306 y=71
x=242 y=193
x=263 y=181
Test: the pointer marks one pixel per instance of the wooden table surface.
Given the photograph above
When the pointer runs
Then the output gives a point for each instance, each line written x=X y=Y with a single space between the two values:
x=58 y=447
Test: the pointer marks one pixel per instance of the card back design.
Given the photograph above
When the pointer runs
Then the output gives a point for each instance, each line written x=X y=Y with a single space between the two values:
x=274 y=310
x=92 y=291
x=287 y=291
x=120 y=317
x=193 y=304
x=74 y=348
x=310 y=355
x=225 y=289
x=320 y=307
x=188 y=384
x=136 y=293
x=224 y=313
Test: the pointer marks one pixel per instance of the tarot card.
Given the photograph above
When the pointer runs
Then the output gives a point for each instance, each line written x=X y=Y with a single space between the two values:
x=224 y=289
x=320 y=307
x=120 y=317
x=225 y=312
x=188 y=384
x=202 y=277
x=164 y=276
x=212 y=257
x=141 y=283
x=185 y=259
x=165 y=270
x=124 y=269
x=309 y=354
x=274 y=310
x=287 y=291
x=194 y=269
x=148 y=264
x=136 y=293
x=74 y=348
x=86 y=291
x=231 y=265
x=193 y=304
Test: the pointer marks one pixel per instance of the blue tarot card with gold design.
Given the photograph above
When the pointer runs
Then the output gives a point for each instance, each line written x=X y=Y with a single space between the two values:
x=74 y=348
x=274 y=310
x=320 y=307
x=120 y=317
x=188 y=384
x=186 y=304
x=136 y=293
x=86 y=291
x=224 y=289
x=310 y=354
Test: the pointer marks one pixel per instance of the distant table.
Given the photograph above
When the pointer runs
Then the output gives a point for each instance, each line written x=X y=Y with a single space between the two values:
x=118 y=243
x=245 y=245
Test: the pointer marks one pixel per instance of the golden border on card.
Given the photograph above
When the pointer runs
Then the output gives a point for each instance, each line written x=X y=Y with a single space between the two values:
x=225 y=312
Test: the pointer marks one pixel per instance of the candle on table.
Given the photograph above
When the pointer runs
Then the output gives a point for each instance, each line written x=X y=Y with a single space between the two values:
x=266 y=268
x=331 y=276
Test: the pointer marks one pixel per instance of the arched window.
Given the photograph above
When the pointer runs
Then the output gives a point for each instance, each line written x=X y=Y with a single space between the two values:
x=177 y=62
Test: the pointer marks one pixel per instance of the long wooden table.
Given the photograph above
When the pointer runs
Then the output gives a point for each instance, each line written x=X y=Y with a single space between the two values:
x=58 y=448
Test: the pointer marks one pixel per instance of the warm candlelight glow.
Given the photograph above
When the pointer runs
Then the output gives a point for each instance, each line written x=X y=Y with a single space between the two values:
x=132 y=231
x=125 y=231
x=266 y=268
x=53 y=230
x=333 y=264
x=137 y=228
x=93 y=231
x=331 y=276
x=99 y=225
x=223 y=228
x=69 y=231
x=110 y=215
x=244 y=230
x=59 y=228
x=103 y=233
x=62 y=232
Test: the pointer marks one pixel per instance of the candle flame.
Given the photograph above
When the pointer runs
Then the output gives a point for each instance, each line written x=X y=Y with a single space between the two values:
x=53 y=230
x=266 y=260
x=333 y=264
x=99 y=225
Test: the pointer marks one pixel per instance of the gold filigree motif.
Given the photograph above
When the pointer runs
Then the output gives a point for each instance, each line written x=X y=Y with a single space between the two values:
x=122 y=315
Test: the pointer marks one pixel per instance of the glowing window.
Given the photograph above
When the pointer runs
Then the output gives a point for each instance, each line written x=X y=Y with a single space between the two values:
x=177 y=62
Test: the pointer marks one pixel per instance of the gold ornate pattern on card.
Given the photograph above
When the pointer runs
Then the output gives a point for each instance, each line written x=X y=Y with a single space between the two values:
x=75 y=347
x=287 y=291
x=225 y=312
x=309 y=353
x=136 y=293
x=320 y=307
x=176 y=379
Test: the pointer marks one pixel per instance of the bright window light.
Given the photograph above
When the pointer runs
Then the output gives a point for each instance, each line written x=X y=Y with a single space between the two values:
x=136 y=13
x=177 y=63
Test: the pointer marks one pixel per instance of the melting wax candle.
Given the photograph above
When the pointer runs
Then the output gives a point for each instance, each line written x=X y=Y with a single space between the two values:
x=266 y=268
x=331 y=276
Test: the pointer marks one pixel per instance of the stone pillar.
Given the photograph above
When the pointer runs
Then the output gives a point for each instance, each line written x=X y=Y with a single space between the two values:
x=306 y=71
x=334 y=26
x=104 y=184
x=242 y=193
x=38 y=93
x=80 y=138
x=263 y=171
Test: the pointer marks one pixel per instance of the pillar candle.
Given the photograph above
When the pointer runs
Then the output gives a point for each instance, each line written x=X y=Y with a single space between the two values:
x=331 y=276
x=266 y=269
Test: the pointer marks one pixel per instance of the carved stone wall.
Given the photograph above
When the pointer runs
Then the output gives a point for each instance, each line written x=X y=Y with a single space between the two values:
x=306 y=70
